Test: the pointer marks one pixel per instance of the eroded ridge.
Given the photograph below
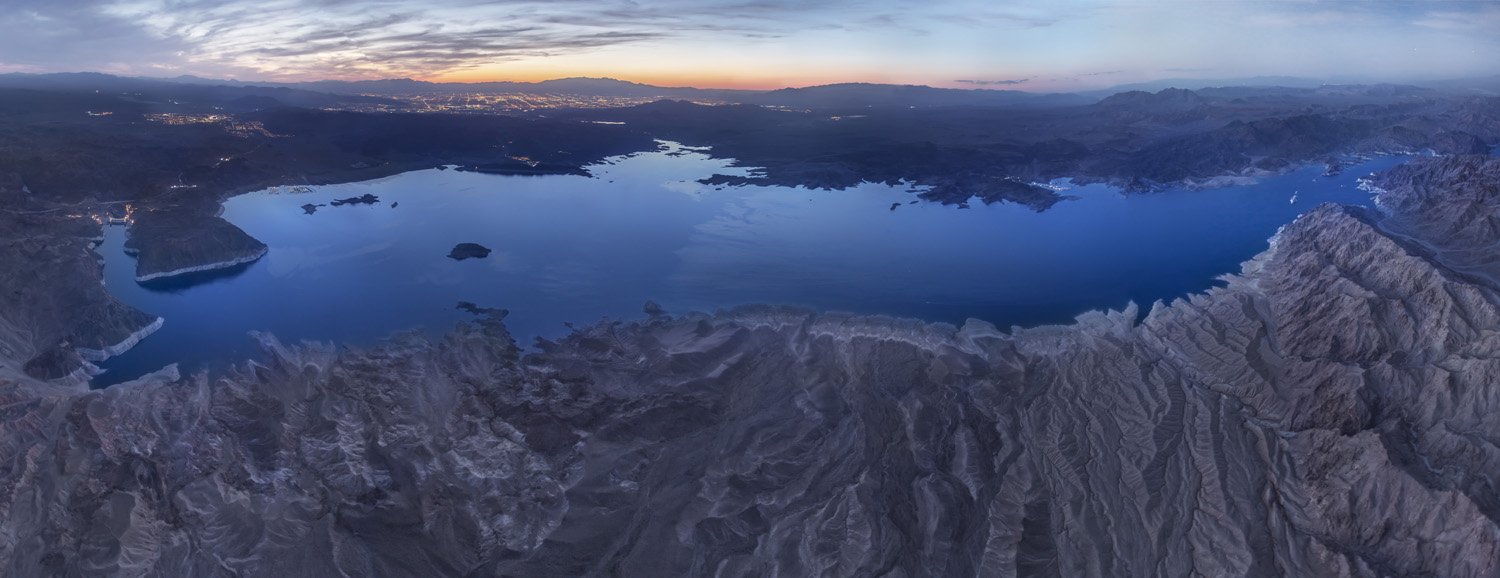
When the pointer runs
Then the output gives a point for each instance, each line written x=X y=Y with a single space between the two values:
x=1330 y=411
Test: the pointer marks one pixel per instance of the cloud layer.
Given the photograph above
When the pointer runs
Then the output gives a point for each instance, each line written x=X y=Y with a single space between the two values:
x=932 y=41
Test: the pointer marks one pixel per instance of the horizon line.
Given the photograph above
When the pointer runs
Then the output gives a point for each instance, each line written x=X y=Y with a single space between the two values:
x=978 y=88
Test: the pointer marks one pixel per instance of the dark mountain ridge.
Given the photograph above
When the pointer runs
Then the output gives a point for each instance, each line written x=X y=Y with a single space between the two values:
x=241 y=97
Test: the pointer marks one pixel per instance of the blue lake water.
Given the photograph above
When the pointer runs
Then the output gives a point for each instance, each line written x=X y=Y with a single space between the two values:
x=575 y=249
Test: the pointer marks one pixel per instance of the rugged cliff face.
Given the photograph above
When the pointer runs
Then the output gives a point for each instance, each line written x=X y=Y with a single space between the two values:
x=56 y=310
x=1331 y=411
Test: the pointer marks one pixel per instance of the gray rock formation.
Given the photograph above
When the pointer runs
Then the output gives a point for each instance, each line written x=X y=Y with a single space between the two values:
x=1331 y=411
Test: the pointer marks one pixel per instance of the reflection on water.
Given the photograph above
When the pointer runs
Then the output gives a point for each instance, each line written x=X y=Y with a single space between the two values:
x=575 y=249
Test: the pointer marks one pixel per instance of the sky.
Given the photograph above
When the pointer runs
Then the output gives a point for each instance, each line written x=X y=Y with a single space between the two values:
x=1041 y=46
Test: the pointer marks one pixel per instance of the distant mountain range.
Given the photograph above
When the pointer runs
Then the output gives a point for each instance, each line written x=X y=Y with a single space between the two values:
x=833 y=97
x=407 y=86
x=326 y=92
x=852 y=95
x=238 y=95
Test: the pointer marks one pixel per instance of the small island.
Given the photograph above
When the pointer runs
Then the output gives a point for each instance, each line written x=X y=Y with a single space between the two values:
x=365 y=199
x=463 y=251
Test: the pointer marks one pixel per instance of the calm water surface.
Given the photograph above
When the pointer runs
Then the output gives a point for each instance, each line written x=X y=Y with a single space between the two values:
x=575 y=249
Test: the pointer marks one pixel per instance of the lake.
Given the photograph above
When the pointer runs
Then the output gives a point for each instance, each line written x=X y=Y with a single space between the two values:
x=576 y=249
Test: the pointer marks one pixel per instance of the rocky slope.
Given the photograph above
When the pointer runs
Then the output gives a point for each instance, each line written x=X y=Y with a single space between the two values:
x=1330 y=411
x=56 y=310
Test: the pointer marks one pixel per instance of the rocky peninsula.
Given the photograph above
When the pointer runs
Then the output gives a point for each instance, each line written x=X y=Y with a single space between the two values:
x=171 y=243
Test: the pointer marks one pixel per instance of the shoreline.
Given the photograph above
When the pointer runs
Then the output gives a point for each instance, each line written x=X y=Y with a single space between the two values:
x=205 y=267
x=1012 y=328
x=98 y=355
